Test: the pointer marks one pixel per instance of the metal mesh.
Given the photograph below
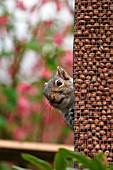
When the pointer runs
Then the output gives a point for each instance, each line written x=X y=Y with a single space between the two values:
x=93 y=77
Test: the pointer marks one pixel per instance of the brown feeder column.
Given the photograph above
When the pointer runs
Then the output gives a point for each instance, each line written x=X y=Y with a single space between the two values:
x=93 y=77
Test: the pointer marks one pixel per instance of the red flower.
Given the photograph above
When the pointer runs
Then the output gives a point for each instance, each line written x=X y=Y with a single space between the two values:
x=58 y=39
x=20 y=5
x=4 y=20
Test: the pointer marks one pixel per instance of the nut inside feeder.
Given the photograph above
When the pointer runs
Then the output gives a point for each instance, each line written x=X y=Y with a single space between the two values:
x=93 y=77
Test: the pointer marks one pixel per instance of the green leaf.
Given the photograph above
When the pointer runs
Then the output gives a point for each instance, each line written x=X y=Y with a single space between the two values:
x=3 y=9
x=60 y=162
x=2 y=121
x=3 y=166
x=43 y=165
x=97 y=165
x=6 y=53
x=71 y=168
x=33 y=45
x=51 y=63
x=66 y=130
x=80 y=158
x=11 y=97
x=60 y=51
x=18 y=168
x=97 y=162
x=111 y=167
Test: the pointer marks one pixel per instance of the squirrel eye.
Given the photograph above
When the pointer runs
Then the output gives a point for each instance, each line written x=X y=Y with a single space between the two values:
x=59 y=83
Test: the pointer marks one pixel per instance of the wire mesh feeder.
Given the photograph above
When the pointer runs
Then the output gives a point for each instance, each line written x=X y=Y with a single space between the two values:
x=93 y=77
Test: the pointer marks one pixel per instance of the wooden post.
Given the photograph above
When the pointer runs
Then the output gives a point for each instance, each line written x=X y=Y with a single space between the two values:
x=93 y=77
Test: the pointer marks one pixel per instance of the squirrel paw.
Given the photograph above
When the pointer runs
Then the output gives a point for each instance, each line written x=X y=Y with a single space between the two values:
x=69 y=117
x=71 y=112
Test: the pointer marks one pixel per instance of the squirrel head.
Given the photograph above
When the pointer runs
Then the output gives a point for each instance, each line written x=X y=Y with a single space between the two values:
x=59 y=89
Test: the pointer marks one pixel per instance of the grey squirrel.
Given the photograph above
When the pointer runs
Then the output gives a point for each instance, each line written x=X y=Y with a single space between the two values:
x=60 y=94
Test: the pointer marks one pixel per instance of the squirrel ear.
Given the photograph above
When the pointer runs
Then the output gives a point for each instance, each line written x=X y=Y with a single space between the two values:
x=62 y=73
x=45 y=84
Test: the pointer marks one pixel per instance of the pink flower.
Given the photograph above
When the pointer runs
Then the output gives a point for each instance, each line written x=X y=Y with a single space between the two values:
x=26 y=88
x=40 y=32
x=35 y=107
x=68 y=58
x=20 y=5
x=24 y=107
x=58 y=4
x=47 y=116
x=45 y=137
x=46 y=102
x=37 y=66
x=58 y=39
x=44 y=1
x=69 y=140
x=4 y=20
x=46 y=73
x=10 y=118
x=19 y=133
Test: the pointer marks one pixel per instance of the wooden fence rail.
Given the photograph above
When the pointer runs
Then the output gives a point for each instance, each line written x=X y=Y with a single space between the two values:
x=12 y=150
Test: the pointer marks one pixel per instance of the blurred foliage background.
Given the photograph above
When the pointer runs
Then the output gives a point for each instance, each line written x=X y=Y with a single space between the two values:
x=35 y=37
